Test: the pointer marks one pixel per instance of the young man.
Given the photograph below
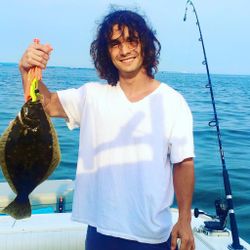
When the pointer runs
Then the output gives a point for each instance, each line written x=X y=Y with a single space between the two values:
x=136 y=141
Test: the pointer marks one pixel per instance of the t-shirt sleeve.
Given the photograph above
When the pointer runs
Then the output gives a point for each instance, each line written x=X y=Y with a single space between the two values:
x=72 y=101
x=181 y=139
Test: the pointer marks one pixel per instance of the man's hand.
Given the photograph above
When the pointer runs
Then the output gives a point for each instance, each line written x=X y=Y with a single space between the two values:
x=35 y=55
x=183 y=231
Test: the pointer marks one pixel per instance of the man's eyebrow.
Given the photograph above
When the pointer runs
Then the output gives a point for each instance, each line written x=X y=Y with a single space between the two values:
x=114 y=41
x=134 y=37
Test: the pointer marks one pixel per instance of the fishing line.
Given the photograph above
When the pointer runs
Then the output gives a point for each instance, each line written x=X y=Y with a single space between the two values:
x=215 y=123
x=14 y=223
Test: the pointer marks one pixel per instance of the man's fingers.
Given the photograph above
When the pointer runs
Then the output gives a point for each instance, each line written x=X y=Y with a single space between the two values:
x=46 y=48
x=40 y=60
x=173 y=241
x=187 y=244
x=42 y=53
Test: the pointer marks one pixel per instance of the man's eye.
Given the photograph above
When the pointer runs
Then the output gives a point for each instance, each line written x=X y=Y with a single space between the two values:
x=114 y=44
x=132 y=41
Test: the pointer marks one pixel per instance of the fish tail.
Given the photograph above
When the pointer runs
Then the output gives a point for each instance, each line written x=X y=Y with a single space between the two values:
x=18 y=209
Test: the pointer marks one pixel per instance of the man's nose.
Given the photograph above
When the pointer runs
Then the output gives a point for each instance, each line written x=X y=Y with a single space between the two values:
x=124 y=48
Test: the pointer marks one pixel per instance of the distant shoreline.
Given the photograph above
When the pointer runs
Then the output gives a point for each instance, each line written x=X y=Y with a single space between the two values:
x=159 y=72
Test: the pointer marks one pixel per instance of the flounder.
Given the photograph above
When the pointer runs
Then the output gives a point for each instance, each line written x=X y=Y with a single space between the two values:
x=29 y=153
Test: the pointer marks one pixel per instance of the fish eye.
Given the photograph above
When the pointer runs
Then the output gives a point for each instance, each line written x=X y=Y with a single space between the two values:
x=26 y=111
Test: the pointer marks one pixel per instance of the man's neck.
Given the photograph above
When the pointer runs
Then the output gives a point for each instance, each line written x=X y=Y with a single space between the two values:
x=137 y=87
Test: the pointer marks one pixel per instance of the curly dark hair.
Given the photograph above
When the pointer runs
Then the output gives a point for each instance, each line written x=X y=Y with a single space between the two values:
x=137 y=26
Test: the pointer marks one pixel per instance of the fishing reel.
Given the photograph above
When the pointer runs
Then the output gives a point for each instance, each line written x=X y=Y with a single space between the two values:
x=219 y=220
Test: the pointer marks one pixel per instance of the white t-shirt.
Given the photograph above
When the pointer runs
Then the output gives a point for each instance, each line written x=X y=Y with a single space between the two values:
x=124 y=183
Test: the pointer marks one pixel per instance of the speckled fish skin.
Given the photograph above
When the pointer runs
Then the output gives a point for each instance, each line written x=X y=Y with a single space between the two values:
x=29 y=153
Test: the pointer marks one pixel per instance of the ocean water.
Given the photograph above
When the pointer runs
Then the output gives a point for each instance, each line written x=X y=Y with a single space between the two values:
x=232 y=96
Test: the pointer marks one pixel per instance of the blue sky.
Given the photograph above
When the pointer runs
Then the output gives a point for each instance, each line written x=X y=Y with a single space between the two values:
x=69 y=26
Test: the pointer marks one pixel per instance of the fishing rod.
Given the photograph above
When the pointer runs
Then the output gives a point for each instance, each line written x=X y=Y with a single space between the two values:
x=227 y=187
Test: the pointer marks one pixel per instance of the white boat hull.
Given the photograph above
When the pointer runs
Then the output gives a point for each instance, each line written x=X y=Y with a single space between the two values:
x=56 y=231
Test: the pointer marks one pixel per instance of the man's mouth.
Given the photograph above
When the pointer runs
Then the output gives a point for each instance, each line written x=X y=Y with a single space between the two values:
x=127 y=60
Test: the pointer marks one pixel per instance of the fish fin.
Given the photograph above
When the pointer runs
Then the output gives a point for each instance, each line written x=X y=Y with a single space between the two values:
x=56 y=151
x=3 y=140
x=18 y=209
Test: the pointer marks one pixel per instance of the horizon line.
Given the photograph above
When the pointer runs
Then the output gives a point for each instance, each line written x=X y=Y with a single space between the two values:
x=160 y=71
